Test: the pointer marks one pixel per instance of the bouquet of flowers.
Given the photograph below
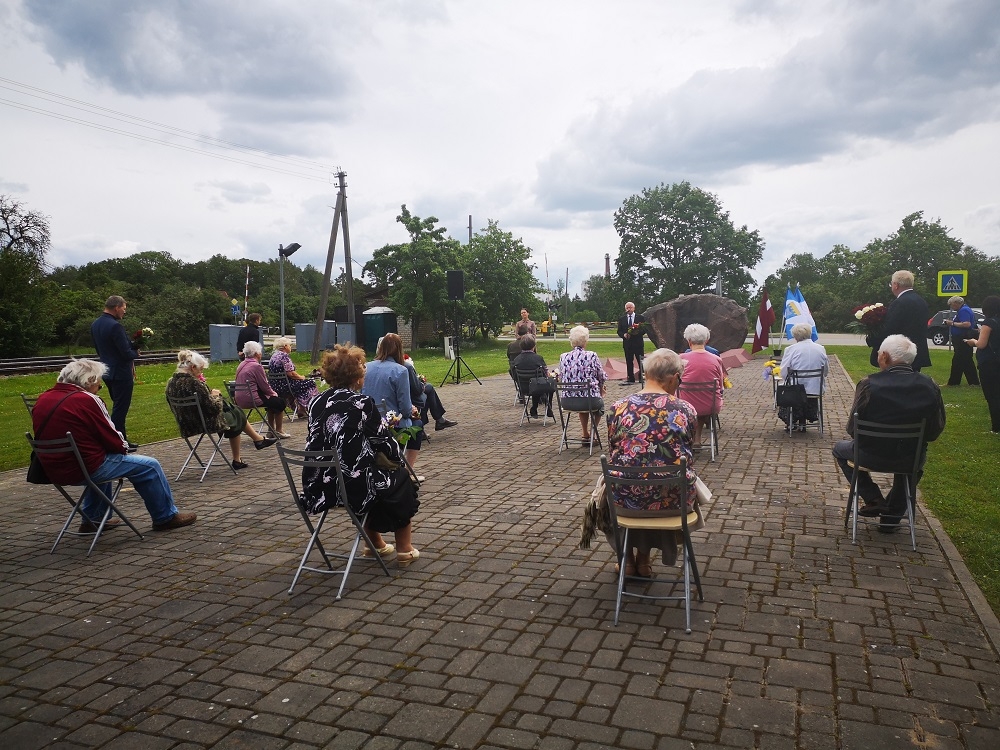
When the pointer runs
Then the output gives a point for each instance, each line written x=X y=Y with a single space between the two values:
x=726 y=382
x=402 y=434
x=141 y=338
x=868 y=319
x=772 y=369
x=635 y=329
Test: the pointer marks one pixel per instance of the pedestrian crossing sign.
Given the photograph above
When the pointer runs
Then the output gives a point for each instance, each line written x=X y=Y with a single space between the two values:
x=952 y=283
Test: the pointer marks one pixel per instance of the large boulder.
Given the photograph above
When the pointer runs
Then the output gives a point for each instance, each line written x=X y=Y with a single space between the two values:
x=725 y=319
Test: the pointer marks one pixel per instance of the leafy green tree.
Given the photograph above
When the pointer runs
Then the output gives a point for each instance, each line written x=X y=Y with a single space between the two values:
x=415 y=272
x=498 y=272
x=604 y=296
x=675 y=239
x=25 y=319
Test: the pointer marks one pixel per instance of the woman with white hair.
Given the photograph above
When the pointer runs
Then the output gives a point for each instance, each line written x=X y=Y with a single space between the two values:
x=701 y=366
x=804 y=354
x=251 y=372
x=653 y=428
x=582 y=366
x=186 y=382
x=303 y=390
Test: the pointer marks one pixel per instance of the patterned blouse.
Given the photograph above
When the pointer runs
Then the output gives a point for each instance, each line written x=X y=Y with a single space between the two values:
x=302 y=391
x=184 y=384
x=651 y=429
x=579 y=365
x=350 y=424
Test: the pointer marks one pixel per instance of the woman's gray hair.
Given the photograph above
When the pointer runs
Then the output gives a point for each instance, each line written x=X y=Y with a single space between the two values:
x=82 y=372
x=899 y=348
x=956 y=300
x=802 y=331
x=663 y=363
x=282 y=341
x=696 y=333
x=579 y=335
x=186 y=359
x=252 y=348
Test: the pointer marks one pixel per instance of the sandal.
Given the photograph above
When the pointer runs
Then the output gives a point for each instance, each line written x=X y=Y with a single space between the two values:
x=405 y=558
x=585 y=437
x=629 y=569
x=387 y=550
x=644 y=570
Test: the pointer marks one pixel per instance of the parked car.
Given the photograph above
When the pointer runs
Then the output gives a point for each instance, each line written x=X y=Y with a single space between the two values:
x=938 y=326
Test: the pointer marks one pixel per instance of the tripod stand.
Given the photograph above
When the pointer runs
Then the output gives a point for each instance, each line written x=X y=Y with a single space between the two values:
x=457 y=364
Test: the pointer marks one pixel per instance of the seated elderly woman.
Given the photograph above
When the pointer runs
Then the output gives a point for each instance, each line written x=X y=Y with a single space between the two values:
x=804 y=354
x=260 y=393
x=379 y=488
x=653 y=428
x=701 y=366
x=302 y=390
x=581 y=366
x=186 y=382
x=73 y=406
x=387 y=379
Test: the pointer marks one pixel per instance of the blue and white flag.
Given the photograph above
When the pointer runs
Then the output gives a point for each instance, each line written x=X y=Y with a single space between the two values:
x=797 y=311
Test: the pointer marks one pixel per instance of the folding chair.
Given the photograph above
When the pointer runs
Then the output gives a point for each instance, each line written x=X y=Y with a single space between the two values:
x=29 y=403
x=657 y=479
x=324 y=460
x=800 y=377
x=67 y=445
x=710 y=387
x=192 y=402
x=523 y=380
x=518 y=396
x=254 y=412
x=573 y=390
x=864 y=432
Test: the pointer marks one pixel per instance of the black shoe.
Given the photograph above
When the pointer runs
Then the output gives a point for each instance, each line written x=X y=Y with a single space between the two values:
x=550 y=414
x=889 y=525
x=265 y=443
x=870 y=510
x=533 y=413
x=239 y=465
x=132 y=447
x=444 y=424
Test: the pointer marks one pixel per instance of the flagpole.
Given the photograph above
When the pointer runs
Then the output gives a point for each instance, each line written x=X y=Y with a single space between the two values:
x=246 y=294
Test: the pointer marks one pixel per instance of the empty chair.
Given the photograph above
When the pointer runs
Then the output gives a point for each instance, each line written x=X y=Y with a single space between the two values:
x=322 y=461
x=66 y=445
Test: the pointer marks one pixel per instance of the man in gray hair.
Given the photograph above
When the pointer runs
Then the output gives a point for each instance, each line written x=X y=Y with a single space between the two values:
x=894 y=395
x=73 y=406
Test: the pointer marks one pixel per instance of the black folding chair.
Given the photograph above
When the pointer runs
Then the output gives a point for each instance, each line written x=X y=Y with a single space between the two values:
x=523 y=378
x=323 y=460
x=191 y=402
x=802 y=377
x=710 y=387
x=658 y=479
x=868 y=433
x=65 y=446
x=29 y=403
x=592 y=405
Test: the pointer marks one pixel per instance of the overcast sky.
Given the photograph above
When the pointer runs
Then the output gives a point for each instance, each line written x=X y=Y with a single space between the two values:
x=815 y=123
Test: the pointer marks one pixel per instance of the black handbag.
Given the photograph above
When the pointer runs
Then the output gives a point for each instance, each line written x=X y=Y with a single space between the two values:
x=540 y=386
x=792 y=396
x=36 y=472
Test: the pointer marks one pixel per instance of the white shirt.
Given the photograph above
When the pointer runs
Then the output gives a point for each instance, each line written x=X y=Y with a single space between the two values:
x=806 y=355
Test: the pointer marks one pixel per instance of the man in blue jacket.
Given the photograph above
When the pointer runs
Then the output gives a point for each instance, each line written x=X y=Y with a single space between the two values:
x=116 y=351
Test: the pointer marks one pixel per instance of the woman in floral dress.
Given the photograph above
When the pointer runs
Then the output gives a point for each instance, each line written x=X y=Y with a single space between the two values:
x=303 y=390
x=653 y=428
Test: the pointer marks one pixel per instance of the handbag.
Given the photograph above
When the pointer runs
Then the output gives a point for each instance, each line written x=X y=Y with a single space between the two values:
x=541 y=385
x=234 y=417
x=792 y=396
x=36 y=472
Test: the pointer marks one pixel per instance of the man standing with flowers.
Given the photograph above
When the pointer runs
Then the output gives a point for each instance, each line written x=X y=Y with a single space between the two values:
x=907 y=315
x=631 y=331
x=116 y=351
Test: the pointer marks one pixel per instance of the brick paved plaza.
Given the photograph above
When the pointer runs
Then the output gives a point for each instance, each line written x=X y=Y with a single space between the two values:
x=501 y=634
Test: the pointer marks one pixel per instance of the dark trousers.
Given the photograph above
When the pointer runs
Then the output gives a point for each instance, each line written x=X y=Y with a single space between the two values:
x=432 y=403
x=121 y=399
x=633 y=357
x=989 y=373
x=843 y=452
x=961 y=363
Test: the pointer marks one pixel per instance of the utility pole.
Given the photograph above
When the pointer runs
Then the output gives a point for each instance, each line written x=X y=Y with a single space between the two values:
x=339 y=217
x=470 y=229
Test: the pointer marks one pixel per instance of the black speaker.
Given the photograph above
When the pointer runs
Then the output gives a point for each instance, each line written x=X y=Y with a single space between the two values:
x=456 y=285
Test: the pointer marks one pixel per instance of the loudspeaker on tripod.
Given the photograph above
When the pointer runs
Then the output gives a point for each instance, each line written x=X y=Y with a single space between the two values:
x=456 y=285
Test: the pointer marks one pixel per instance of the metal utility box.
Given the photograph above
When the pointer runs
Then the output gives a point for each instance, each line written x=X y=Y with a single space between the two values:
x=378 y=322
x=222 y=342
x=304 y=333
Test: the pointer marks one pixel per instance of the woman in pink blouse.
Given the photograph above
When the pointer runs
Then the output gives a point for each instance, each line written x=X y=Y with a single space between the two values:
x=701 y=366
x=261 y=393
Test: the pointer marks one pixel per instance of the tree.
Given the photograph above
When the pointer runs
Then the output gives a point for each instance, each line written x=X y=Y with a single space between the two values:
x=602 y=295
x=499 y=275
x=25 y=321
x=415 y=272
x=676 y=239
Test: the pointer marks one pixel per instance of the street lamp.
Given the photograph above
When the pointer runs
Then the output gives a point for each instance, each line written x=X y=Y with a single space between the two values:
x=284 y=252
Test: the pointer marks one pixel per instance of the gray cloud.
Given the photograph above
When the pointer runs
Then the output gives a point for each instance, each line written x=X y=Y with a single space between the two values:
x=898 y=71
x=240 y=192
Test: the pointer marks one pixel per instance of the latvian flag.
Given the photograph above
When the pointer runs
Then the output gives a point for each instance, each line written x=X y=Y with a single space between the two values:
x=765 y=319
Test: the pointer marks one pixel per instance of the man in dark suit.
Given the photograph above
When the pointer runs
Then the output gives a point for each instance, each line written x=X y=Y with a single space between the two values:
x=632 y=339
x=908 y=315
x=116 y=351
x=894 y=395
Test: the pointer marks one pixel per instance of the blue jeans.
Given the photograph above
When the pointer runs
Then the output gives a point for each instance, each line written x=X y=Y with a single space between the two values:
x=145 y=475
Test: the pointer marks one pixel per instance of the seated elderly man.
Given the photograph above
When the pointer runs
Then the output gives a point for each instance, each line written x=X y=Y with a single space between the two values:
x=894 y=395
x=531 y=360
x=72 y=405
x=804 y=354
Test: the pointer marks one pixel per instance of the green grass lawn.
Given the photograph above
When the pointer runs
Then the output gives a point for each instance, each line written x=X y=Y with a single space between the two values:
x=959 y=485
